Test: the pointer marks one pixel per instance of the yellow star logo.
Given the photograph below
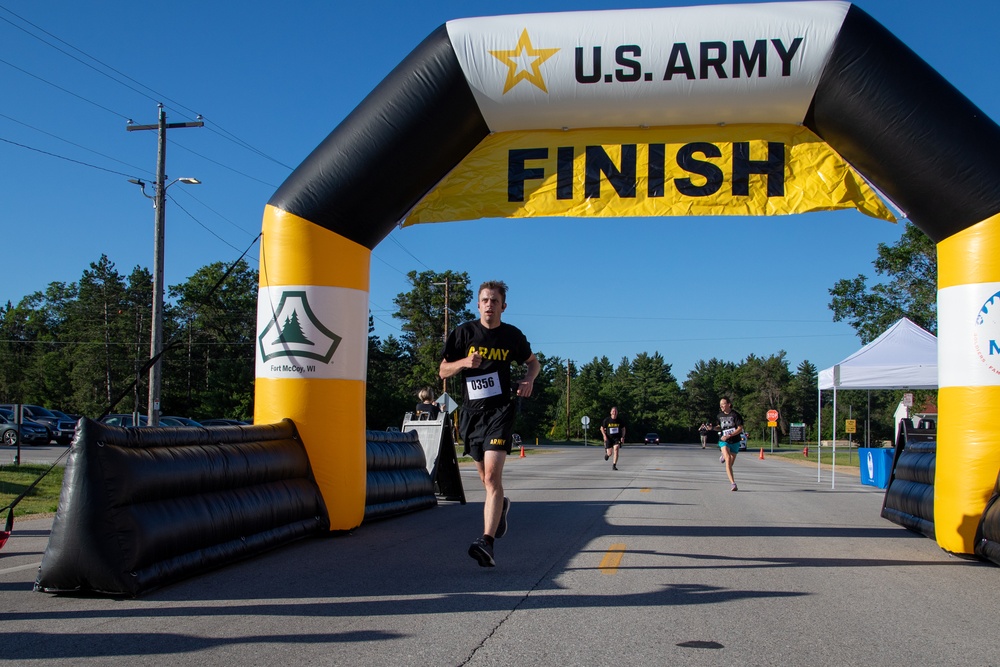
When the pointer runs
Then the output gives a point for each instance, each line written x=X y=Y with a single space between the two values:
x=524 y=63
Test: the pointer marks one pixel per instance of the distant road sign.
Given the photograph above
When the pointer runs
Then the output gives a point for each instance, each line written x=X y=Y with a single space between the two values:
x=851 y=425
x=772 y=415
x=585 y=420
x=447 y=403
x=772 y=424
x=797 y=432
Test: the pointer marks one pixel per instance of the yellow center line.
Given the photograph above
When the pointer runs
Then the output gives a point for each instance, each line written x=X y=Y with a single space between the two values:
x=644 y=490
x=612 y=559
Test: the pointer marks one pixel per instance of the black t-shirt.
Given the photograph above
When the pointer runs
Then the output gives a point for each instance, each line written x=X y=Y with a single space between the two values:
x=430 y=408
x=729 y=423
x=614 y=428
x=489 y=385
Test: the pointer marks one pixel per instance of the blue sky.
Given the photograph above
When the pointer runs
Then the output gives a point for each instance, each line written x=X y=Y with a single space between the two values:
x=273 y=79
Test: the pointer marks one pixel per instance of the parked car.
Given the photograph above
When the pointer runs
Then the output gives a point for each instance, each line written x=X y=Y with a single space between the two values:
x=60 y=430
x=170 y=420
x=223 y=422
x=31 y=433
x=652 y=438
x=125 y=420
x=66 y=417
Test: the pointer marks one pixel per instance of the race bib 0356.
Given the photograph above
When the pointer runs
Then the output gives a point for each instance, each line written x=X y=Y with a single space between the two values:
x=483 y=386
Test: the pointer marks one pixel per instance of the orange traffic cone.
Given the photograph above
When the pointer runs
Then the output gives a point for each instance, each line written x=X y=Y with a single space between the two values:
x=522 y=452
x=805 y=451
x=761 y=457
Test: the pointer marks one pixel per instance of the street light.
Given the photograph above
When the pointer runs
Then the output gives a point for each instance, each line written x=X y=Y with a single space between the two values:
x=156 y=336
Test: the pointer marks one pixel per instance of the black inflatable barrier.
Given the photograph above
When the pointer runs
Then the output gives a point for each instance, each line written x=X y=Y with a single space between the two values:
x=909 y=498
x=142 y=508
x=397 y=481
x=988 y=532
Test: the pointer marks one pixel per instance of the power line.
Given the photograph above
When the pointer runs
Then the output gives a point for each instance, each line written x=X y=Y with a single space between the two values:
x=201 y=224
x=668 y=319
x=154 y=96
x=61 y=157
x=224 y=166
x=70 y=55
x=689 y=340
x=389 y=265
x=407 y=251
x=226 y=134
x=245 y=231
x=65 y=90
x=71 y=143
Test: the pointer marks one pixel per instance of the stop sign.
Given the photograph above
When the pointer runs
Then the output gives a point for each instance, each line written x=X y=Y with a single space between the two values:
x=772 y=415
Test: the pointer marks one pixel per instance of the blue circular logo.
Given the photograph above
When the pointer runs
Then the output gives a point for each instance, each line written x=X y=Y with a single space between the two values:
x=987 y=333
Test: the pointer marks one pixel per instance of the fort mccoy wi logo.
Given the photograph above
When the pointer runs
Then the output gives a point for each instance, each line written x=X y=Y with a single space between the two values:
x=295 y=333
x=987 y=332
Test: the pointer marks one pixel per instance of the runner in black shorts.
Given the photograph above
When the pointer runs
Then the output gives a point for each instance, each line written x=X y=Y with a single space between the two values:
x=483 y=351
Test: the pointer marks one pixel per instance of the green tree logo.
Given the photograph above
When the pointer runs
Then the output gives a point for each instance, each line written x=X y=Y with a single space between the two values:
x=295 y=334
x=291 y=332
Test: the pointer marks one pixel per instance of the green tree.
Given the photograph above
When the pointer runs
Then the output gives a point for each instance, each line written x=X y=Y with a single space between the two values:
x=100 y=337
x=909 y=289
x=762 y=385
x=532 y=419
x=655 y=399
x=212 y=324
x=706 y=383
x=388 y=396
x=422 y=310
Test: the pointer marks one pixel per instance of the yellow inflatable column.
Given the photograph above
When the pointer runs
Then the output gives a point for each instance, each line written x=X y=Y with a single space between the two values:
x=968 y=451
x=312 y=352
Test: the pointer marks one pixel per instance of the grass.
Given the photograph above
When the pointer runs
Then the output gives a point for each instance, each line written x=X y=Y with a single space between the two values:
x=845 y=456
x=43 y=499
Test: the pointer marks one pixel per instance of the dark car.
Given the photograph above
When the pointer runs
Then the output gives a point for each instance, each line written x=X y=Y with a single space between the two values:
x=66 y=417
x=125 y=420
x=60 y=430
x=30 y=433
x=652 y=438
x=223 y=422
x=170 y=420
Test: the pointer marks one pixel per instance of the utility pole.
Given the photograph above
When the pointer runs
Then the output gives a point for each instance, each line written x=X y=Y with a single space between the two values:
x=156 y=337
x=447 y=308
x=567 y=400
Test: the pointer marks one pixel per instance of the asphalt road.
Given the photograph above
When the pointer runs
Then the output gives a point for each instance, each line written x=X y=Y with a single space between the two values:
x=655 y=564
x=45 y=454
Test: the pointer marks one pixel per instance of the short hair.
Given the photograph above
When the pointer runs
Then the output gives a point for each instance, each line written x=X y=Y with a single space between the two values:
x=495 y=285
x=426 y=394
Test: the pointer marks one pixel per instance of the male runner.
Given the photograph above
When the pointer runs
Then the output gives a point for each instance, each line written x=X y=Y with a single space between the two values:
x=613 y=430
x=482 y=351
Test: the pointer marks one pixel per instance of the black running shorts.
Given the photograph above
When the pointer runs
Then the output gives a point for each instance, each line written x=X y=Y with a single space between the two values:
x=486 y=430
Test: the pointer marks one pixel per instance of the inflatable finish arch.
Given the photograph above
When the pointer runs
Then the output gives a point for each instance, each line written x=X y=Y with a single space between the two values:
x=827 y=67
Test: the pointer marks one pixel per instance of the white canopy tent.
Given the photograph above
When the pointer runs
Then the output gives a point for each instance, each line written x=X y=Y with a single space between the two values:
x=903 y=357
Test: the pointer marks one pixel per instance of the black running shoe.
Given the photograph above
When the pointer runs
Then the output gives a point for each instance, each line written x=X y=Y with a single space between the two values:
x=482 y=551
x=502 y=526
x=614 y=467
x=607 y=456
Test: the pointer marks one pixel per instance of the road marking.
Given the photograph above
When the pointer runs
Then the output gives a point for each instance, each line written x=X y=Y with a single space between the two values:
x=646 y=490
x=612 y=559
x=21 y=567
